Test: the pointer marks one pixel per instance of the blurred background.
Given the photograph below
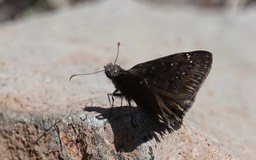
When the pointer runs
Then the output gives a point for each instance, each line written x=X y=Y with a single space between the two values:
x=15 y=9
x=43 y=42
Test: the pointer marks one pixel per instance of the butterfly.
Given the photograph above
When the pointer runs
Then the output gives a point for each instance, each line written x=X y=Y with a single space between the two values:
x=164 y=88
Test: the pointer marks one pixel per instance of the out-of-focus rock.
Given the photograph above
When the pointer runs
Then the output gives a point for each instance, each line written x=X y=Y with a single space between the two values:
x=13 y=9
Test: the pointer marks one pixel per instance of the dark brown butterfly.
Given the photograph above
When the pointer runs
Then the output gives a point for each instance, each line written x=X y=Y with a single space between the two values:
x=164 y=88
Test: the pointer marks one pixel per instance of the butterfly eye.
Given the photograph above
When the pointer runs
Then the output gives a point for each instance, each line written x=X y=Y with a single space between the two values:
x=108 y=74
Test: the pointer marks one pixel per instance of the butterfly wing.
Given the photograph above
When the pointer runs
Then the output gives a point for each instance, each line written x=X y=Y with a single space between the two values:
x=174 y=81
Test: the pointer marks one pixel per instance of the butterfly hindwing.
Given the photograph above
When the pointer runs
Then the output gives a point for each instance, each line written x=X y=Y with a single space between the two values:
x=174 y=80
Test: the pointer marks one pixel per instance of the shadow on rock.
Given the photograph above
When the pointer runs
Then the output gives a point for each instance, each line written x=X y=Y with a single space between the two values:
x=126 y=137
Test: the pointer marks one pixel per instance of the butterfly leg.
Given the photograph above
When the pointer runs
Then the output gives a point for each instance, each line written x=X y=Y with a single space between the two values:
x=120 y=95
x=134 y=125
x=112 y=95
x=121 y=101
x=111 y=103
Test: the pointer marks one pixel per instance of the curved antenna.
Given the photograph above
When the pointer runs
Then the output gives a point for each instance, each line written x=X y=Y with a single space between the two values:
x=81 y=74
x=118 y=45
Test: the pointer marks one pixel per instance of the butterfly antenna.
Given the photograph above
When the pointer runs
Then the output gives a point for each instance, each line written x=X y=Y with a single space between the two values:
x=118 y=45
x=83 y=74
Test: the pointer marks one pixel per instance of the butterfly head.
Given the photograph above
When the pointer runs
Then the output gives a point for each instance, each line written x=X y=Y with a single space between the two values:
x=112 y=70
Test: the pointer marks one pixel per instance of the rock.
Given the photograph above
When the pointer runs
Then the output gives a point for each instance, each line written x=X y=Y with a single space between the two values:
x=90 y=135
x=39 y=104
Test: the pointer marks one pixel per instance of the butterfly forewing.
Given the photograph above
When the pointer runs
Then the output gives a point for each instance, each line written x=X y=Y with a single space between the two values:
x=174 y=80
